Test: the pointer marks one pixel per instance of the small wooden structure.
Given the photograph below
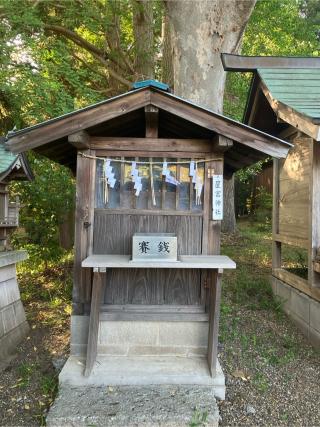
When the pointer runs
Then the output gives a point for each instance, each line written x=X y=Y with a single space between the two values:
x=284 y=100
x=13 y=324
x=146 y=311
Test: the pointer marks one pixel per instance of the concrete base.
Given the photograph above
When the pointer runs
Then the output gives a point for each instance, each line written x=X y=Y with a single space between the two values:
x=303 y=310
x=152 y=406
x=143 y=371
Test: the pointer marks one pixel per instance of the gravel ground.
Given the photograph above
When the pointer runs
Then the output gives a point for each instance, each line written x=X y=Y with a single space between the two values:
x=272 y=372
x=281 y=387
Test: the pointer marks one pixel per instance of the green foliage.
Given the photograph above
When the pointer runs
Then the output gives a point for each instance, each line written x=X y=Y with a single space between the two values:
x=263 y=207
x=46 y=202
x=276 y=27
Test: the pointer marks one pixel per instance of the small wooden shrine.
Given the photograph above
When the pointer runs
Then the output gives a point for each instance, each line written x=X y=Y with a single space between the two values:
x=147 y=162
x=13 y=323
x=284 y=101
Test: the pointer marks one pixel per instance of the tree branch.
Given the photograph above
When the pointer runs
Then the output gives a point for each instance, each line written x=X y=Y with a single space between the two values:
x=97 y=53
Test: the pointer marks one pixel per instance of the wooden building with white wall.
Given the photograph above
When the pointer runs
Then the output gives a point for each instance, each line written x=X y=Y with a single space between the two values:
x=284 y=100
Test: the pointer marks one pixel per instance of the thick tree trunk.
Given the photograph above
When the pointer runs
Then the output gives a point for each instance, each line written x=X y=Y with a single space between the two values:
x=167 y=64
x=143 y=36
x=200 y=31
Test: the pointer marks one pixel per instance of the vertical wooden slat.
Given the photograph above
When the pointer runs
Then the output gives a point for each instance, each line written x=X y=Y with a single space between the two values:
x=92 y=204
x=214 y=316
x=276 y=246
x=83 y=232
x=191 y=194
x=314 y=222
x=122 y=195
x=177 y=187
x=163 y=190
x=97 y=292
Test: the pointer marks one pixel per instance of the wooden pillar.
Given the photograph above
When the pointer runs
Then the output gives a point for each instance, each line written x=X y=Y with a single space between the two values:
x=314 y=221
x=276 y=246
x=214 y=316
x=83 y=230
x=98 y=287
x=213 y=280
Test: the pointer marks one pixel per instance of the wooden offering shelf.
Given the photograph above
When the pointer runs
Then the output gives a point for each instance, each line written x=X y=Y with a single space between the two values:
x=100 y=263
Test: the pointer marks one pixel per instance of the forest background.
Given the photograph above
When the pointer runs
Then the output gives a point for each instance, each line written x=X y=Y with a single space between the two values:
x=58 y=56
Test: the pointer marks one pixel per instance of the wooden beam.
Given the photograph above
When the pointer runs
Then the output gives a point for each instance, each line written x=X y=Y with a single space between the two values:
x=79 y=120
x=249 y=137
x=152 y=121
x=83 y=225
x=151 y=144
x=314 y=218
x=80 y=140
x=276 y=245
x=214 y=315
x=292 y=241
x=221 y=143
x=98 y=287
x=289 y=115
x=251 y=63
x=146 y=153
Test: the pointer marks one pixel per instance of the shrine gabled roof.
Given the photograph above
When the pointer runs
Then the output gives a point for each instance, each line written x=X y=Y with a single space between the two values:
x=10 y=162
x=123 y=116
x=291 y=86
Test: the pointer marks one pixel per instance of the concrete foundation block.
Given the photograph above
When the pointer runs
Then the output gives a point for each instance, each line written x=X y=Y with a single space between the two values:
x=143 y=371
x=120 y=332
x=193 y=334
x=284 y=294
x=113 y=350
x=300 y=306
x=302 y=325
x=79 y=329
x=158 y=350
x=315 y=315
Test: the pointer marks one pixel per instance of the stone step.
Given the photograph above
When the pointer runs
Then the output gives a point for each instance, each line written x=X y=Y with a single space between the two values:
x=143 y=371
x=134 y=406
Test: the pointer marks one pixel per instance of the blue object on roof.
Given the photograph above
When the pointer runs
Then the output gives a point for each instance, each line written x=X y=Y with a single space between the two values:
x=151 y=82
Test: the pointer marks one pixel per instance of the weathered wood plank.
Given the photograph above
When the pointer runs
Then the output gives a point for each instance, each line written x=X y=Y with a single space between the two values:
x=113 y=235
x=83 y=225
x=80 y=140
x=288 y=240
x=97 y=292
x=276 y=245
x=228 y=128
x=79 y=120
x=214 y=316
x=151 y=144
x=314 y=216
x=161 y=154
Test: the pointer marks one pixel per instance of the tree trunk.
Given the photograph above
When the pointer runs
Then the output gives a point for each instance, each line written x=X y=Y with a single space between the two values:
x=167 y=65
x=143 y=36
x=200 y=31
